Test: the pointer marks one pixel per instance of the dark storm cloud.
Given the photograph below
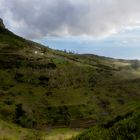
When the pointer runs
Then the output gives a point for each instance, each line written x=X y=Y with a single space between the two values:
x=96 y=18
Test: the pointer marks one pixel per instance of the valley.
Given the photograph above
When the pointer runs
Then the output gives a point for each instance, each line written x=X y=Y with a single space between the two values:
x=43 y=89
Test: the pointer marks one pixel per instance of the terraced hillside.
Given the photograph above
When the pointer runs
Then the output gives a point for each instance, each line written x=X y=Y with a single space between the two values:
x=42 y=88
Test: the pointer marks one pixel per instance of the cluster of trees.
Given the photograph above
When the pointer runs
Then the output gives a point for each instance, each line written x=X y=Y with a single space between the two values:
x=135 y=64
x=21 y=118
x=58 y=115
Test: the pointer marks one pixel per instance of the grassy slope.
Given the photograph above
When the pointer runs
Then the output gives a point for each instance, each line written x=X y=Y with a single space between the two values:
x=9 y=131
x=57 y=89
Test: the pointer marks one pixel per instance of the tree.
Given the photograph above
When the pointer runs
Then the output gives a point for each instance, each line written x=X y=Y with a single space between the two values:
x=135 y=64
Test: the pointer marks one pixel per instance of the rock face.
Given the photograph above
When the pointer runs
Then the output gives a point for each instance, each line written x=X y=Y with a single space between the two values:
x=2 y=24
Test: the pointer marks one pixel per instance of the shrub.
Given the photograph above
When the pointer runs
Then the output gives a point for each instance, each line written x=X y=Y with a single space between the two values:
x=19 y=112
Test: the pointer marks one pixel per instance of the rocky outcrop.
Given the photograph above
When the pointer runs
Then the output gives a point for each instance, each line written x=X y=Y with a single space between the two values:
x=2 y=24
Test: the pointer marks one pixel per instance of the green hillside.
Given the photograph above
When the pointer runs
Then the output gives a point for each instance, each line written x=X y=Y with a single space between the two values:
x=42 y=88
x=9 y=131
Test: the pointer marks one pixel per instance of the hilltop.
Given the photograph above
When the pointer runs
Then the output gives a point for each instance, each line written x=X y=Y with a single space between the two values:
x=2 y=24
x=43 y=88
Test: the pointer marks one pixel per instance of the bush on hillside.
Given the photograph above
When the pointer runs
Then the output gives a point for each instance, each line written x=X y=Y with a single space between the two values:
x=126 y=129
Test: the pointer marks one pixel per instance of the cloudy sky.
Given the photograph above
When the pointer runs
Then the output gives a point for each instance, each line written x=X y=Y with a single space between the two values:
x=105 y=27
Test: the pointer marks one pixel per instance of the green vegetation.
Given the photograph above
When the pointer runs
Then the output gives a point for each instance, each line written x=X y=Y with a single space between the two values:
x=125 y=129
x=42 y=88
x=9 y=131
x=62 y=134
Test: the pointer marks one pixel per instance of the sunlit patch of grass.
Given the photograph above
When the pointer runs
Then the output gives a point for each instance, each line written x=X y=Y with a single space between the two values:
x=62 y=134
